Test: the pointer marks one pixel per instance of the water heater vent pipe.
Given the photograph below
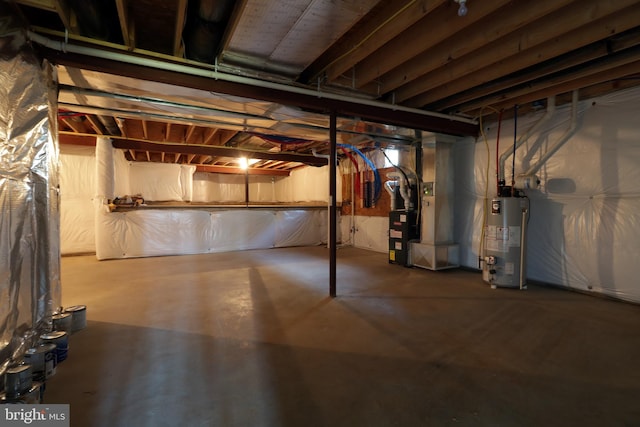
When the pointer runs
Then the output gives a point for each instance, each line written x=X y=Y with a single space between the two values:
x=551 y=106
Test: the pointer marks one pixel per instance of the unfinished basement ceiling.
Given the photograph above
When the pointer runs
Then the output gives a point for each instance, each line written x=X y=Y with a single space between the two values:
x=407 y=56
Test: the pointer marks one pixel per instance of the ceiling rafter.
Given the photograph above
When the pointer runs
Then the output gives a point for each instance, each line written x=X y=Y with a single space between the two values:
x=431 y=30
x=180 y=21
x=582 y=59
x=461 y=43
x=565 y=31
x=127 y=24
x=368 y=39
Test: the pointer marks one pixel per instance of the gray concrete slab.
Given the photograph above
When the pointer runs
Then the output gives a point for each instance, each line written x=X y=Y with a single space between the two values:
x=252 y=339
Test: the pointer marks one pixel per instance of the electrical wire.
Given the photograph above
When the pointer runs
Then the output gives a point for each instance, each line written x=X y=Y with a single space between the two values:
x=369 y=163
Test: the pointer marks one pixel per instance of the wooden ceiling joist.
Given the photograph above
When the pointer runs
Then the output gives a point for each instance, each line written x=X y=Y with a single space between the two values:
x=180 y=21
x=461 y=43
x=523 y=49
x=239 y=171
x=194 y=150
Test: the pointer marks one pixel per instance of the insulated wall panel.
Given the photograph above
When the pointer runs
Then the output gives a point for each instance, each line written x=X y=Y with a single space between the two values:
x=585 y=217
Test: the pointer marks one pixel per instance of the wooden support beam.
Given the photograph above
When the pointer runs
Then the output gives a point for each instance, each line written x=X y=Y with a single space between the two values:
x=95 y=124
x=167 y=131
x=145 y=129
x=148 y=156
x=239 y=171
x=190 y=130
x=190 y=158
x=73 y=139
x=67 y=16
x=215 y=151
x=180 y=21
x=121 y=125
x=126 y=24
x=74 y=124
x=133 y=154
x=211 y=132
x=177 y=158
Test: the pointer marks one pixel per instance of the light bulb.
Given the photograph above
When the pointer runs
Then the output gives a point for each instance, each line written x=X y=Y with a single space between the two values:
x=462 y=10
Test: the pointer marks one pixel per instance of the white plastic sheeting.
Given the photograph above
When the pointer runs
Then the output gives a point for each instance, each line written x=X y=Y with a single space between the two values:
x=161 y=181
x=156 y=232
x=585 y=221
x=77 y=190
x=176 y=231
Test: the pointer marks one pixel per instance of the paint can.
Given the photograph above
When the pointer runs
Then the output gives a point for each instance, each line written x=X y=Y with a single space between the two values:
x=78 y=317
x=62 y=322
x=18 y=380
x=32 y=396
x=42 y=360
x=61 y=340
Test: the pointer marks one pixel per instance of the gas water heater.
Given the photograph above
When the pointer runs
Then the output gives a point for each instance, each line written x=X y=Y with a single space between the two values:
x=504 y=242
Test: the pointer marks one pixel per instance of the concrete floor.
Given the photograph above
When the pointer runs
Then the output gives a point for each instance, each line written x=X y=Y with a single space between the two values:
x=252 y=339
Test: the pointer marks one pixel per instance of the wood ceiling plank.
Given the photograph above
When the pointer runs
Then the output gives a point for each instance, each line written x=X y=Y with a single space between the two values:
x=148 y=156
x=180 y=21
x=190 y=158
x=176 y=158
x=564 y=31
x=433 y=29
x=167 y=131
x=480 y=35
x=391 y=21
x=132 y=153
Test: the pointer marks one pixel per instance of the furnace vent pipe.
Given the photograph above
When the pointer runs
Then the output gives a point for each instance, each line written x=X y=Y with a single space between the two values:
x=551 y=107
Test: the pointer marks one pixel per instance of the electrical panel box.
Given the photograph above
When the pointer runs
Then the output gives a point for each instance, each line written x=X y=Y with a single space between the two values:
x=403 y=228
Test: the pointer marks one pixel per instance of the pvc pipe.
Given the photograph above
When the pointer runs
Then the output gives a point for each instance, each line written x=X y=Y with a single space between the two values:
x=551 y=106
x=216 y=75
x=572 y=128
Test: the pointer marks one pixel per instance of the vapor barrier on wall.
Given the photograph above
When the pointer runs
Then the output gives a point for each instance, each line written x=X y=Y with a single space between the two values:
x=29 y=213
x=180 y=230
x=585 y=218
